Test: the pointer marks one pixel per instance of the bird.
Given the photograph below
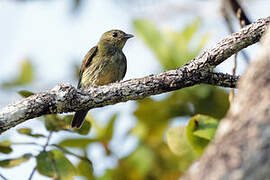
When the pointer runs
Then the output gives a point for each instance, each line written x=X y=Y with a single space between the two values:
x=105 y=63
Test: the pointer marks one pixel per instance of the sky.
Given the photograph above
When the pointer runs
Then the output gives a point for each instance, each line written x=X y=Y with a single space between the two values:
x=54 y=39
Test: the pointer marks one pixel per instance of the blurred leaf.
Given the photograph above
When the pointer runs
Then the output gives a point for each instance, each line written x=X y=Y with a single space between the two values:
x=177 y=141
x=5 y=147
x=9 y=163
x=45 y=164
x=85 y=168
x=209 y=100
x=202 y=99
x=84 y=130
x=54 y=164
x=172 y=49
x=28 y=132
x=56 y=123
x=108 y=131
x=25 y=93
x=142 y=158
x=86 y=126
x=179 y=145
x=76 y=69
x=64 y=167
x=205 y=126
x=189 y=31
x=77 y=142
x=153 y=118
x=134 y=166
x=25 y=76
x=152 y=37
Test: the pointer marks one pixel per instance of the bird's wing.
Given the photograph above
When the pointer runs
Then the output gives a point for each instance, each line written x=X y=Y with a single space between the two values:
x=125 y=69
x=86 y=62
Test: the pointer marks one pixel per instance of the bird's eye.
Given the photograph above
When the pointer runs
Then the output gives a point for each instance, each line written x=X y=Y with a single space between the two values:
x=115 y=34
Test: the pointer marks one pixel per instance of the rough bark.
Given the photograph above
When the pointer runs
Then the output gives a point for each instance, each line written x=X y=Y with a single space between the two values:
x=241 y=149
x=66 y=98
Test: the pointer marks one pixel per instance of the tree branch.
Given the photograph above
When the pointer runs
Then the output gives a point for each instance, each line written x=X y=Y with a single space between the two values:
x=242 y=144
x=66 y=98
x=220 y=79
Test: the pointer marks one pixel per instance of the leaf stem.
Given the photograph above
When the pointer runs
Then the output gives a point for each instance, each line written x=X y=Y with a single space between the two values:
x=70 y=153
x=32 y=173
x=3 y=177
x=48 y=140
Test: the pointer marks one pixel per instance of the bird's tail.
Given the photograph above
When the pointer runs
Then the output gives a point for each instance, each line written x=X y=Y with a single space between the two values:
x=78 y=118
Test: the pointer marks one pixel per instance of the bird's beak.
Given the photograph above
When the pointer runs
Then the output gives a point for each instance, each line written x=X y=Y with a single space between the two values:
x=127 y=36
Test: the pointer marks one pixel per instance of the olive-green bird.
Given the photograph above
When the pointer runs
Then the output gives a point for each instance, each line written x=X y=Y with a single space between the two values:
x=103 y=64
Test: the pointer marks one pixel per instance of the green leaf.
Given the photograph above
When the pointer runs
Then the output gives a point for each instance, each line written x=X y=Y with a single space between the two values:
x=9 y=163
x=152 y=37
x=64 y=167
x=46 y=164
x=189 y=31
x=25 y=93
x=28 y=132
x=204 y=128
x=85 y=168
x=86 y=126
x=108 y=131
x=77 y=142
x=172 y=49
x=25 y=76
x=56 y=123
x=142 y=158
x=5 y=147
x=177 y=141
x=84 y=130
x=54 y=164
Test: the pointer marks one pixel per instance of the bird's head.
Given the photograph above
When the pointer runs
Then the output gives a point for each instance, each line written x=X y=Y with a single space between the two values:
x=114 y=38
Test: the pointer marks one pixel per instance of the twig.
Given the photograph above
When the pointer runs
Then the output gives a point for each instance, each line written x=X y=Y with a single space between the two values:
x=44 y=149
x=48 y=140
x=32 y=173
x=3 y=177
x=230 y=27
x=68 y=152
x=231 y=96
x=239 y=12
x=243 y=21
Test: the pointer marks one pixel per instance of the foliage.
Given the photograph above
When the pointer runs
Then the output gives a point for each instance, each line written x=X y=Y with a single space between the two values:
x=173 y=49
x=163 y=152
x=9 y=163
x=52 y=163
x=55 y=164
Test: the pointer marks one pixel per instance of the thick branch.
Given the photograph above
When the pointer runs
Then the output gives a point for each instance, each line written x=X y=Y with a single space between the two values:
x=242 y=144
x=65 y=98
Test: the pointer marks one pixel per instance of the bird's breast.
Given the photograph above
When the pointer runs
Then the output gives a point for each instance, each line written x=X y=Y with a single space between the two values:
x=105 y=70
